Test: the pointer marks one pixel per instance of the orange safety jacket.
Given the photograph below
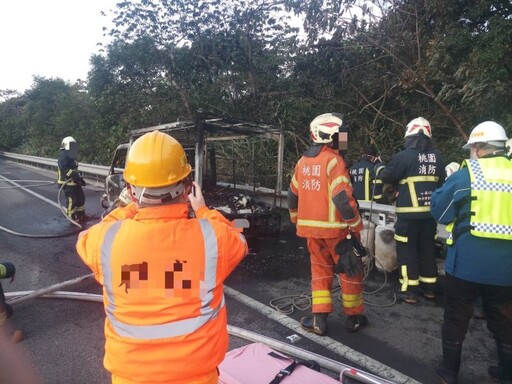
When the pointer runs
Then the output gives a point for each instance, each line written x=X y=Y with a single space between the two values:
x=162 y=276
x=320 y=197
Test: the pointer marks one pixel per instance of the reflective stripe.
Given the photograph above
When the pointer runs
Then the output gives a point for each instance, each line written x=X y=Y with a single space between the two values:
x=377 y=182
x=449 y=229
x=428 y=280
x=352 y=301
x=69 y=208
x=295 y=182
x=332 y=208
x=332 y=163
x=356 y=223
x=410 y=282
x=339 y=180
x=412 y=193
x=321 y=297
x=414 y=179
x=321 y=224
x=405 y=281
x=322 y=300
x=366 y=184
x=175 y=328
x=425 y=208
x=321 y=293
x=402 y=239
x=493 y=228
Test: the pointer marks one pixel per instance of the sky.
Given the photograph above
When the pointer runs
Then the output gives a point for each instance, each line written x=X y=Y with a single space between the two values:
x=49 y=38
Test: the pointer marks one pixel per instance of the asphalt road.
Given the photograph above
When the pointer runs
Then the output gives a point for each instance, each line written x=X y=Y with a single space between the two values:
x=64 y=338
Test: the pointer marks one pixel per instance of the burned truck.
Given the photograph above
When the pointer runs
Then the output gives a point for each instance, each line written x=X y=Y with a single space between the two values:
x=230 y=181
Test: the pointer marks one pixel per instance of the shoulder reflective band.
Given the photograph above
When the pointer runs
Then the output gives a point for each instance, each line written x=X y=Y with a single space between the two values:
x=175 y=328
x=332 y=163
x=294 y=182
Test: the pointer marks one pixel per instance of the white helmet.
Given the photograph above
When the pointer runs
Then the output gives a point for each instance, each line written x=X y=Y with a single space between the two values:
x=70 y=146
x=487 y=132
x=324 y=126
x=66 y=142
x=418 y=124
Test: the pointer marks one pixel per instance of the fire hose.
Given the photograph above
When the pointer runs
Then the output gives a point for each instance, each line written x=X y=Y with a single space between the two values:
x=45 y=236
x=53 y=291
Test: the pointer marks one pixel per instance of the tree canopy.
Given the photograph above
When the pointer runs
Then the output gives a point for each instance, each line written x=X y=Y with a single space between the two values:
x=380 y=62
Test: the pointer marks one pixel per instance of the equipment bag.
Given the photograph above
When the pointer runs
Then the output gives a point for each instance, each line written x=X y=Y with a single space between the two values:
x=258 y=364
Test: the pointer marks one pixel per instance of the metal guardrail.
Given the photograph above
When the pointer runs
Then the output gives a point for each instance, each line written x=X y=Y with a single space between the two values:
x=90 y=171
x=100 y=172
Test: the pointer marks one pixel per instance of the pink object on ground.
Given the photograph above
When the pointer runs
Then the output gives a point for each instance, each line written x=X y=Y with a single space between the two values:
x=252 y=364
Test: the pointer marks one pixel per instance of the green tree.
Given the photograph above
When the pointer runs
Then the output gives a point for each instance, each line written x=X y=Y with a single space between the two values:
x=13 y=128
x=208 y=55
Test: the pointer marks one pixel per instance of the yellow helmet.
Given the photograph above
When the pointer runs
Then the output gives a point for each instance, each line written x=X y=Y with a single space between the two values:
x=156 y=160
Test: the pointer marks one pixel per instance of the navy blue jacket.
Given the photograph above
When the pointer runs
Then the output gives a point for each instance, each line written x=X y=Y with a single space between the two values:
x=418 y=160
x=360 y=181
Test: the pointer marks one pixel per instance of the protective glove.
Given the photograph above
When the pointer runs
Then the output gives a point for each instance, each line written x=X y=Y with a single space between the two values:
x=350 y=251
x=82 y=182
x=7 y=270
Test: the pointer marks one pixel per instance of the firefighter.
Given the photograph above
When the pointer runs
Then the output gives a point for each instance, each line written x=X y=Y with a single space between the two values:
x=476 y=204
x=71 y=180
x=163 y=272
x=416 y=171
x=7 y=271
x=325 y=212
x=366 y=186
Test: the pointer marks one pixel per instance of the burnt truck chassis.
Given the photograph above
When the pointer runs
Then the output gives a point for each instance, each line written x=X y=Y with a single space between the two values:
x=197 y=138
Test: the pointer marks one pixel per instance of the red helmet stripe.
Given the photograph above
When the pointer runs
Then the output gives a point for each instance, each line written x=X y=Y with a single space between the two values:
x=330 y=124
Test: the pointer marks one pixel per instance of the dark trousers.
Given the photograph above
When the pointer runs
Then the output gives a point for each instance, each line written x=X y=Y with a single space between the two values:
x=415 y=248
x=2 y=299
x=4 y=307
x=460 y=297
x=75 y=201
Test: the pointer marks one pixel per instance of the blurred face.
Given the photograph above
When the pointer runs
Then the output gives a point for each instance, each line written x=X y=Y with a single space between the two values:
x=73 y=149
x=343 y=141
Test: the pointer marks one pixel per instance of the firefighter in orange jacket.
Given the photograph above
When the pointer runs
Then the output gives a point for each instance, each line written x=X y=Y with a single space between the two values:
x=162 y=272
x=325 y=212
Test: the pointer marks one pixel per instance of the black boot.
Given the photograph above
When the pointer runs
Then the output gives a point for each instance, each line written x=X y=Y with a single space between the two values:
x=449 y=368
x=504 y=363
x=356 y=322
x=316 y=323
